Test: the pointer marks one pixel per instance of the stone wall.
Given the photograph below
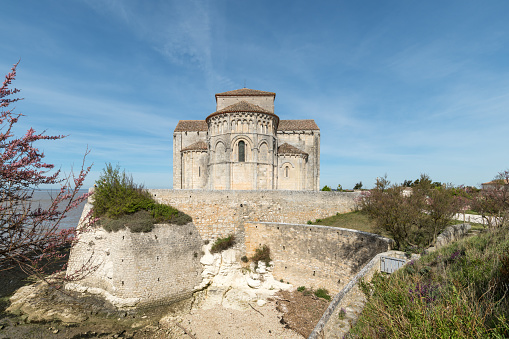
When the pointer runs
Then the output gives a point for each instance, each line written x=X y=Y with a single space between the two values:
x=139 y=268
x=219 y=213
x=314 y=256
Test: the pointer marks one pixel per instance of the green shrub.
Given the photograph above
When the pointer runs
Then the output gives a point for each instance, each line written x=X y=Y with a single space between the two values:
x=244 y=259
x=326 y=188
x=322 y=293
x=301 y=288
x=459 y=291
x=119 y=202
x=262 y=254
x=222 y=244
x=310 y=222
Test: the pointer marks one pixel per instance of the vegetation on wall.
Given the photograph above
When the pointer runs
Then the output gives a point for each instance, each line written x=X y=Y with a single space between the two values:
x=459 y=291
x=119 y=203
x=262 y=253
x=222 y=244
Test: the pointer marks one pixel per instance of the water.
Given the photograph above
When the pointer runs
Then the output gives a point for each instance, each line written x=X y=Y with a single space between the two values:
x=44 y=197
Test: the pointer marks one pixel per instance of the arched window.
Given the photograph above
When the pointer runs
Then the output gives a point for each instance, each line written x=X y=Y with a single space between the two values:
x=242 y=151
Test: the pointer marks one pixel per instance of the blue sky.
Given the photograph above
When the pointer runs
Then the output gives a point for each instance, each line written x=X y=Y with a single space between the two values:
x=398 y=87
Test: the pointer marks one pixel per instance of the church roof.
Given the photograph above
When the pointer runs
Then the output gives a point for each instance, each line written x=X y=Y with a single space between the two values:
x=246 y=92
x=197 y=146
x=191 y=126
x=241 y=106
x=297 y=125
x=289 y=149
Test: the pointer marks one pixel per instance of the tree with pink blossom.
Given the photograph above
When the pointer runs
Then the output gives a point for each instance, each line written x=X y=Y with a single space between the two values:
x=30 y=237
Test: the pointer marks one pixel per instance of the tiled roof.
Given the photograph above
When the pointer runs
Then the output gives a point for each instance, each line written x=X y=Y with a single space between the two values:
x=241 y=106
x=497 y=182
x=191 y=126
x=297 y=125
x=197 y=146
x=245 y=92
x=289 y=149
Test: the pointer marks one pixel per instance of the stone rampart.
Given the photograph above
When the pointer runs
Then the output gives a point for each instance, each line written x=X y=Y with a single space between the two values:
x=135 y=269
x=219 y=213
x=314 y=256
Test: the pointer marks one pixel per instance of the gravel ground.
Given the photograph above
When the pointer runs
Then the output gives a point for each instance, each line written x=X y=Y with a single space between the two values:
x=219 y=322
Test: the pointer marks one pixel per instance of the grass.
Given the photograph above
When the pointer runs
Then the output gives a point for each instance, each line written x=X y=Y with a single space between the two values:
x=262 y=254
x=460 y=291
x=222 y=244
x=353 y=220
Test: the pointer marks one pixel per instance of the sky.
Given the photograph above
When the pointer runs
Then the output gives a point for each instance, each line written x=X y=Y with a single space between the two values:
x=397 y=87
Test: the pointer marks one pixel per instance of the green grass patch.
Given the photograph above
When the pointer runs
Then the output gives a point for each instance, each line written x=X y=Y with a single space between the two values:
x=322 y=293
x=222 y=244
x=459 y=291
x=353 y=220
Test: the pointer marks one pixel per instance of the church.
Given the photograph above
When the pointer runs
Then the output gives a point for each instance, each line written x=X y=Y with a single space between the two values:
x=244 y=146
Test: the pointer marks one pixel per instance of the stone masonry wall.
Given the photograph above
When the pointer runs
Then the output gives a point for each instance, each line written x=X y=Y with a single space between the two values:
x=139 y=268
x=314 y=256
x=219 y=213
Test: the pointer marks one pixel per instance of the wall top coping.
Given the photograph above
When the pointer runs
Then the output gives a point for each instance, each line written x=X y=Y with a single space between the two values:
x=276 y=192
x=332 y=228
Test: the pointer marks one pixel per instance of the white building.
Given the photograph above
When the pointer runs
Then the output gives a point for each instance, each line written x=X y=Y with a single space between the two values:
x=244 y=146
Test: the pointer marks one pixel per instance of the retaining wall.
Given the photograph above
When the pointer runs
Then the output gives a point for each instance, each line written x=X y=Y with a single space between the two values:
x=131 y=269
x=219 y=213
x=314 y=256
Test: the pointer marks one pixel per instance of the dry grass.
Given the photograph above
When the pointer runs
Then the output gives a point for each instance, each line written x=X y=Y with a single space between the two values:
x=301 y=311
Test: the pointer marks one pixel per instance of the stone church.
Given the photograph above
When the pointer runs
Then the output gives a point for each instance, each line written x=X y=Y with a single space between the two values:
x=244 y=146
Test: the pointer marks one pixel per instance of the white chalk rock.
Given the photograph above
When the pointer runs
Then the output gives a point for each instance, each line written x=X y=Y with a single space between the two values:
x=261 y=303
x=253 y=283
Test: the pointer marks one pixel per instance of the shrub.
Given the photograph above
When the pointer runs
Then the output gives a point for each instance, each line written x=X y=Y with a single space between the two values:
x=326 y=188
x=222 y=244
x=322 y=293
x=301 y=288
x=310 y=222
x=244 y=259
x=119 y=202
x=262 y=254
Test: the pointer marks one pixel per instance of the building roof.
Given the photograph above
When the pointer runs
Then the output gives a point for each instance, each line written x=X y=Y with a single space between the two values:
x=241 y=106
x=246 y=92
x=297 y=125
x=289 y=149
x=197 y=146
x=497 y=182
x=191 y=126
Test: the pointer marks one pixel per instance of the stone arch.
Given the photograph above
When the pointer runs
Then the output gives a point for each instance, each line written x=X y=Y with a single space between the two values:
x=263 y=152
x=248 y=150
x=219 y=151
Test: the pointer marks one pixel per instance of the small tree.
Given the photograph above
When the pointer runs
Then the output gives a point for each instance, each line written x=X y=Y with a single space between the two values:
x=493 y=203
x=358 y=186
x=410 y=219
x=29 y=235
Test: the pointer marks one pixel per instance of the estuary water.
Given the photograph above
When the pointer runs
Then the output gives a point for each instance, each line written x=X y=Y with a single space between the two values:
x=44 y=197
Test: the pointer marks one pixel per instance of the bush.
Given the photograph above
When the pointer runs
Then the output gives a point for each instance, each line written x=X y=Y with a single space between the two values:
x=244 y=259
x=326 y=188
x=262 y=254
x=301 y=288
x=458 y=291
x=322 y=293
x=222 y=244
x=119 y=202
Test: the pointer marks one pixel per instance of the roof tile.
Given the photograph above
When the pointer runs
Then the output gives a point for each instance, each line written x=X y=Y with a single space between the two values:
x=246 y=92
x=297 y=125
x=191 y=126
x=197 y=146
x=289 y=149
